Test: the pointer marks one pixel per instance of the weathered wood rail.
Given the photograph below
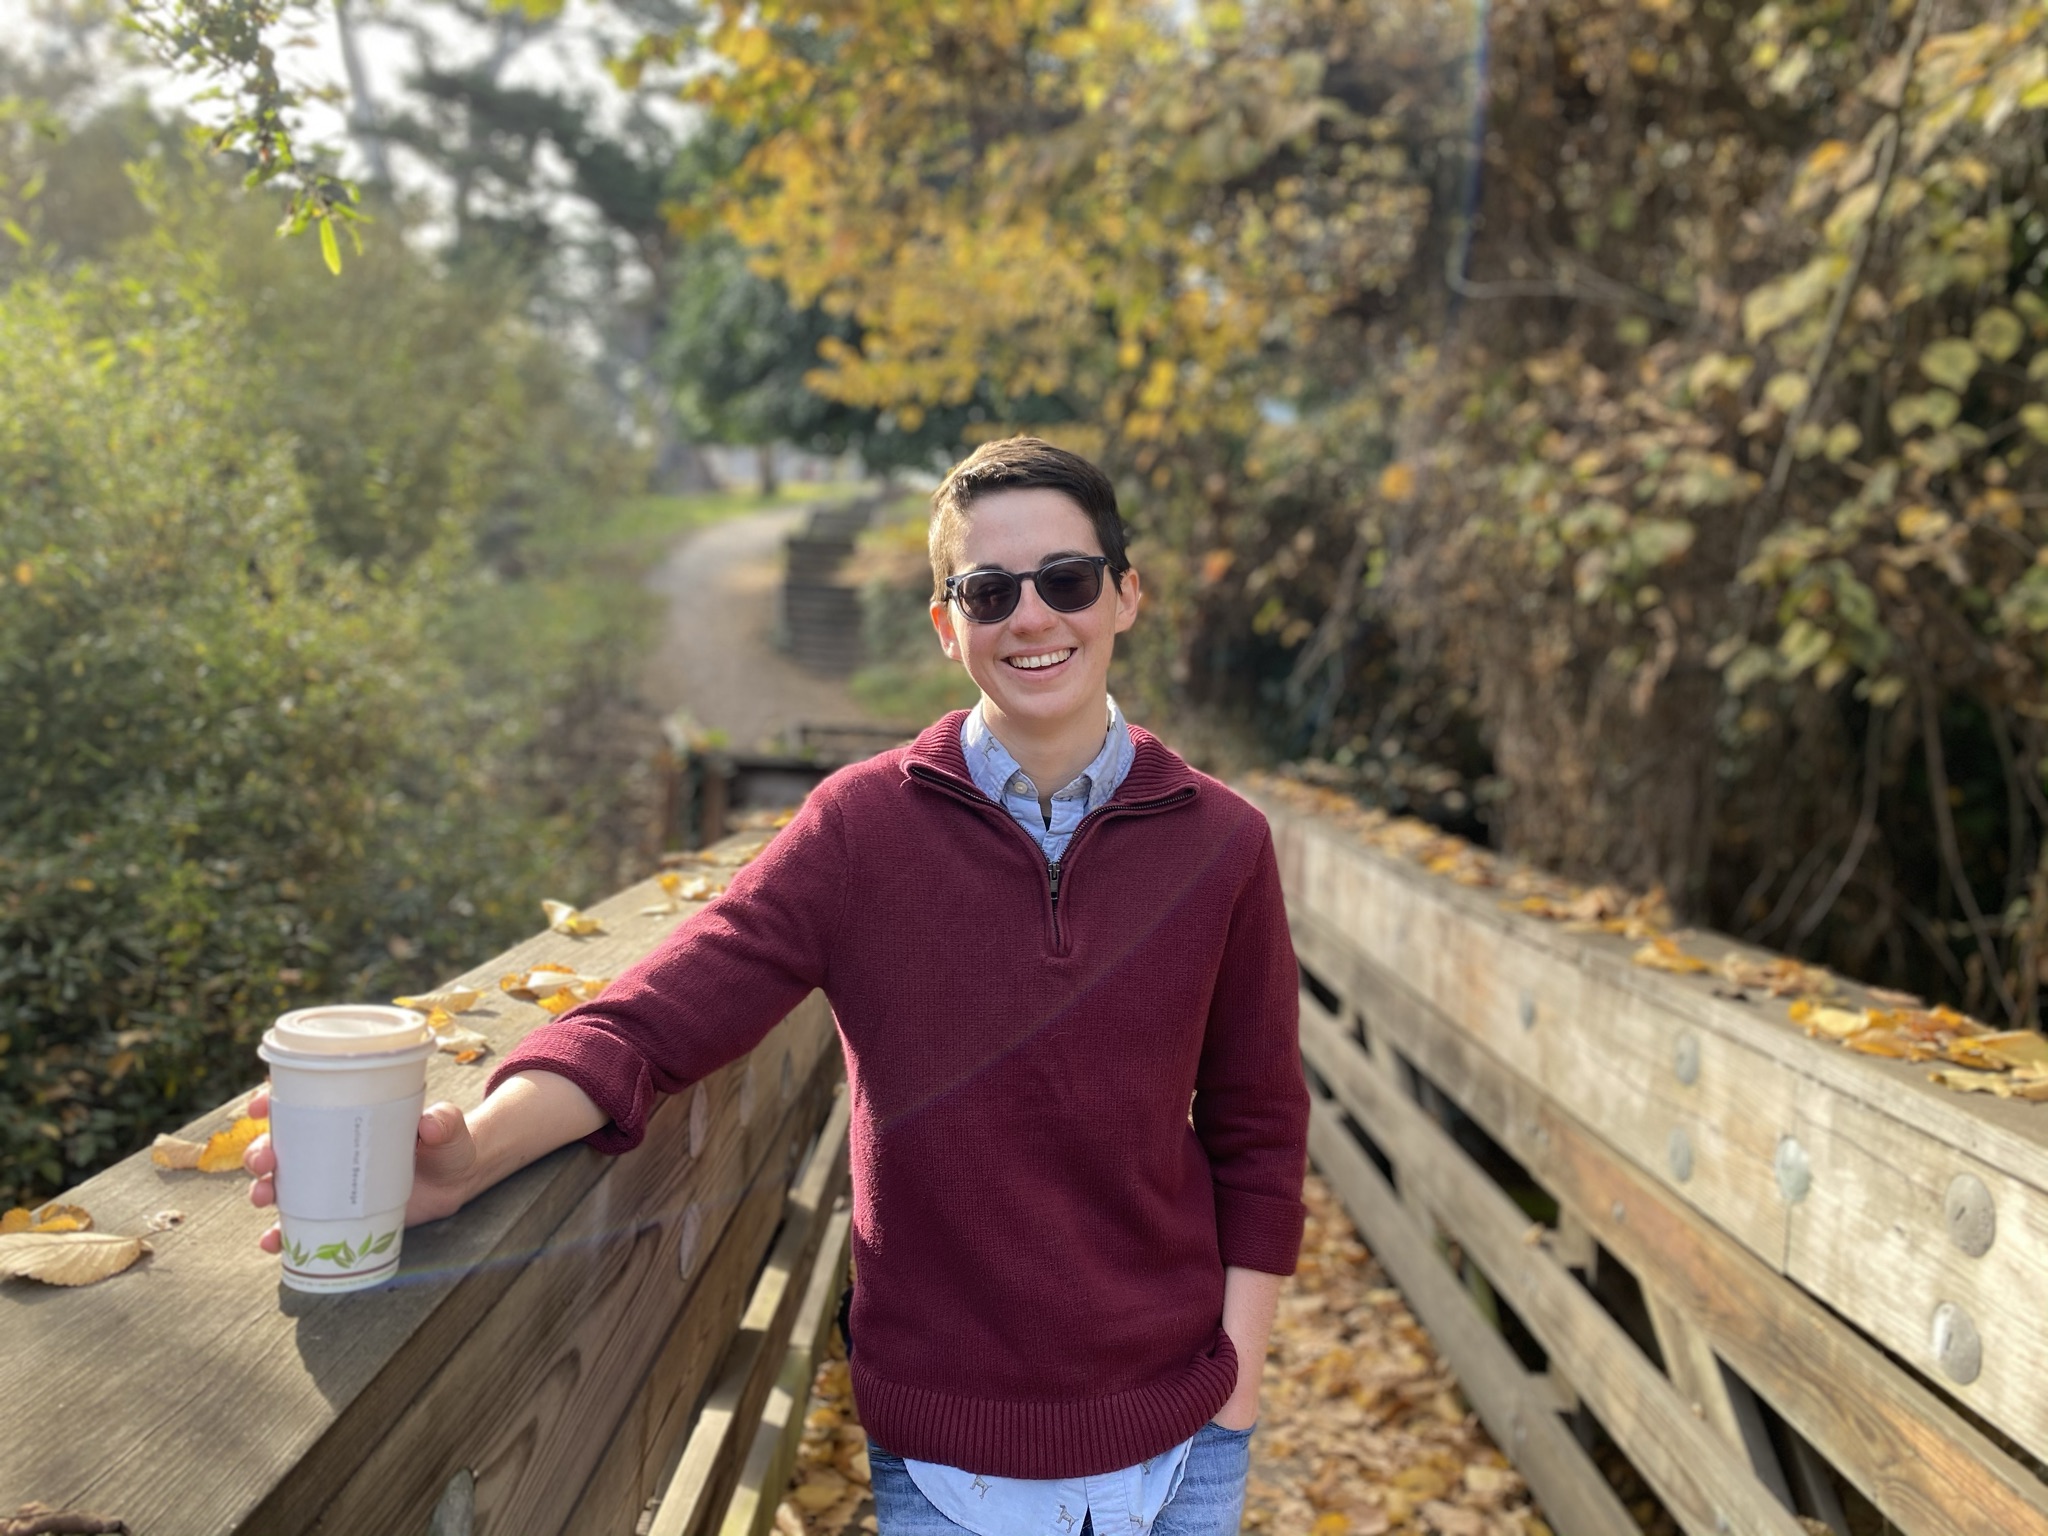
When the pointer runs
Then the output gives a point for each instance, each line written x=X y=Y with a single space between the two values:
x=1783 y=1278
x=596 y=1346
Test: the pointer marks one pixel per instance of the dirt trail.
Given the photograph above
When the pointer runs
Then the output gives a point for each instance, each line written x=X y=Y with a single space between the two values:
x=717 y=657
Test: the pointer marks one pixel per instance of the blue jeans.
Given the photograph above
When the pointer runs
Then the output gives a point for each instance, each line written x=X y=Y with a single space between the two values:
x=1209 y=1501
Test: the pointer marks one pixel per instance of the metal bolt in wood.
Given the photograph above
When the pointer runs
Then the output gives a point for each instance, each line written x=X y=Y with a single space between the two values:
x=1971 y=1217
x=1685 y=1058
x=692 y=1236
x=1678 y=1152
x=1794 y=1169
x=455 y=1513
x=1956 y=1344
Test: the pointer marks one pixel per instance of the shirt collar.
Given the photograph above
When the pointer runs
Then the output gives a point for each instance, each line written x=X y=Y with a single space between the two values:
x=996 y=773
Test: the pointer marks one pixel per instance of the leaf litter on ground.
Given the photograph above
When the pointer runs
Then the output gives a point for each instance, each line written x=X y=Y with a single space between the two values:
x=1362 y=1429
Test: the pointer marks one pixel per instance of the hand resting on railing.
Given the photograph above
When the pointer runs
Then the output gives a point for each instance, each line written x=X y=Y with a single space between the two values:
x=456 y=1156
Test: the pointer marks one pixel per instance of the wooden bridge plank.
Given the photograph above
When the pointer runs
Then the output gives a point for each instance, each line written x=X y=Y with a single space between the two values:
x=1924 y=1467
x=1707 y=1485
x=1604 y=1043
x=1518 y=1409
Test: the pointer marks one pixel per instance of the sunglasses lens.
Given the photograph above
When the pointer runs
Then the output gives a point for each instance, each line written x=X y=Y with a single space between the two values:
x=1070 y=585
x=988 y=596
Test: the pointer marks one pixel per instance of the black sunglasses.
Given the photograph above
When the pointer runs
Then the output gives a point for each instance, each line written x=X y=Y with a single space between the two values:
x=1068 y=584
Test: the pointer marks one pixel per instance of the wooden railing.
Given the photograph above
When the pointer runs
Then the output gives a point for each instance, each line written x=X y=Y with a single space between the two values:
x=597 y=1345
x=1777 y=1276
x=1781 y=1277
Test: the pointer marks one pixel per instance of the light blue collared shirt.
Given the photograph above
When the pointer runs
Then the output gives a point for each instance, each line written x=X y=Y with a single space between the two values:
x=1121 y=1503
x=996 y=774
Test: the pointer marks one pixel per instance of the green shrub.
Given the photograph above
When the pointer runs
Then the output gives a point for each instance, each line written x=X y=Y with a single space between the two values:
x=244 y=766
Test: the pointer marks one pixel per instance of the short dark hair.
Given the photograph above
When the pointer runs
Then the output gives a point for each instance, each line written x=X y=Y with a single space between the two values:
x=1020 y=464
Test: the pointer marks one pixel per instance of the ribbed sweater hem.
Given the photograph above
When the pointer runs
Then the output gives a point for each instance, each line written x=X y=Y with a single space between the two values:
x=1078 y=1437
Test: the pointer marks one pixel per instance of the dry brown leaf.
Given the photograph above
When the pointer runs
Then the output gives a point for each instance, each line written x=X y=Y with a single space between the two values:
x=546 y=980
x=1999 y=1084
x=1662 y=954
x=1889 y=1043
x=1450 y=1520
x=2010 y=1049
x=176 y=1152
x=465 y=1045
x=820 y=1489
x=446 y=1000
x=677 y=889
x=67 y=1258
x=1835 y=1023
x=224 y=1149
x=37 y=1519
x=563 y=918
x=1780 y=977
x=47 y=1218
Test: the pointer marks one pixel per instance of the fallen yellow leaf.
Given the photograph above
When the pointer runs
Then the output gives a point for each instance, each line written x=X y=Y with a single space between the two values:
x=46 y=1218
x=2001 y=1052
x=1662 y=954
x=820 y=1489
x=224 y=1149
x=563 y=918
x=544 y=982
x=67 y=1258
x=465 y=1045
x=446 y=1000
x=1837 y=1023
x=676 y=890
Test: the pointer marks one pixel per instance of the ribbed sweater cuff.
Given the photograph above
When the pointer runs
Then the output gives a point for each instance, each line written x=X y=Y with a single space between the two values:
x=608 y=1069
x=1083 y=1437
x=1258 y=1231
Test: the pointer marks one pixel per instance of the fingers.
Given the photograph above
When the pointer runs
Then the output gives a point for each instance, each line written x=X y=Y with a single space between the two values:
x=271 y=1241
x=260 y=1157
x=439 y=1124
x=258 y=1107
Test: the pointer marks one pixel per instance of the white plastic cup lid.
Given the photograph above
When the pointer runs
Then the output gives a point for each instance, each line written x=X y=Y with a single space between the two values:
x=348 y=1029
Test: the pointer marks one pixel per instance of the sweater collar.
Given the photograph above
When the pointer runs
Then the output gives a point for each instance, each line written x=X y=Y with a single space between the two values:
x=1157 y=773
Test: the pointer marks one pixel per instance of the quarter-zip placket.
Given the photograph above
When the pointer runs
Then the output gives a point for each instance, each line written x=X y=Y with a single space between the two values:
x=1058 y=872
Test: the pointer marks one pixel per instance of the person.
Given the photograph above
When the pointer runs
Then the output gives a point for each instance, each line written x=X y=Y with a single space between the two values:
x=1059 y=963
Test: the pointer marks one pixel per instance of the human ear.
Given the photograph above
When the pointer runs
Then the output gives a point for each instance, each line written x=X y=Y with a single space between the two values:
x=1128 y=598
x=942 y=621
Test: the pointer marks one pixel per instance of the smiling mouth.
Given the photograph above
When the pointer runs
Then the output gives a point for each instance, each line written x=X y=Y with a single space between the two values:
x=1038 y=663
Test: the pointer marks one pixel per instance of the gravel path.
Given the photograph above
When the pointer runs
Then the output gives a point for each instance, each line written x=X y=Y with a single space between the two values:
x=717 y=656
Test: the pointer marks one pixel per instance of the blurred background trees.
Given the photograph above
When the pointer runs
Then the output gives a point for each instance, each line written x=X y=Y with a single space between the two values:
x=1614 y=429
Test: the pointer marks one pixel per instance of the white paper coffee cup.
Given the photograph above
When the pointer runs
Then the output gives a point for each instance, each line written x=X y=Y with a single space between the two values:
x=347 y=1082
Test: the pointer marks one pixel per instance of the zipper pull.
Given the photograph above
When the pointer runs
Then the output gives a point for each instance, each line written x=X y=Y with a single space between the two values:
x=1052 y=875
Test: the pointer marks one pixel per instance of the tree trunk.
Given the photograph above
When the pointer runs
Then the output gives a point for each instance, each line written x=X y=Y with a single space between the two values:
x=764 y=456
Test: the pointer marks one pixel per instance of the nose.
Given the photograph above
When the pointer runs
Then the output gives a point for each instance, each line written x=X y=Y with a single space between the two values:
x=1031 y=613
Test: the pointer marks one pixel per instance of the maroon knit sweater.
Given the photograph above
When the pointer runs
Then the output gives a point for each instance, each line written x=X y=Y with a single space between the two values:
x=1040 y=1226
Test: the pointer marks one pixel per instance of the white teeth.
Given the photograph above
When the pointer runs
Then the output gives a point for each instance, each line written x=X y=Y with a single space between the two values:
x=1033 y=663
